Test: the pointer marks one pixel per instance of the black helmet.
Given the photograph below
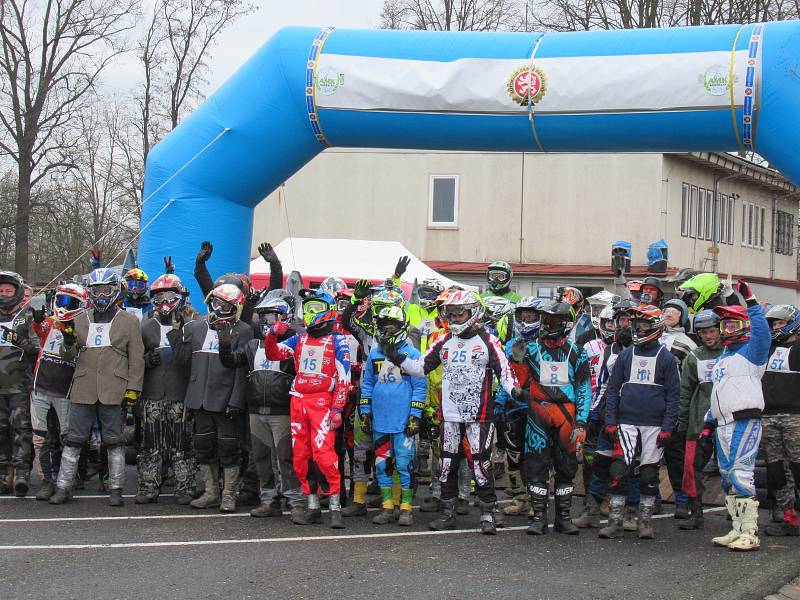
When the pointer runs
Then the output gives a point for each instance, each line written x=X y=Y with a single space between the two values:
x=12 y=278
x=647 y=298
x=555 y=320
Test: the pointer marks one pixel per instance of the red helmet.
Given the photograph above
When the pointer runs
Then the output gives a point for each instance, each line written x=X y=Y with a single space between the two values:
x=69 y=301
x=734 y=324
x=225 y=304
x=168 y=294
x=647 y=323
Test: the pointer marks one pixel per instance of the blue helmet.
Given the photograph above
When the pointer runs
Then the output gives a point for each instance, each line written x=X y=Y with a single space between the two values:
x=784 y=312
x=319 y=307
x=104 y=288
x=527 y=329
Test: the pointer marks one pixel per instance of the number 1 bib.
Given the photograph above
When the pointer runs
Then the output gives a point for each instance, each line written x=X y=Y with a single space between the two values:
x=52 y=345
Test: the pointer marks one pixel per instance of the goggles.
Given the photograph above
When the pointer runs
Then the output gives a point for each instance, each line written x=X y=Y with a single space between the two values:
x=66 y=302
x=315 y=307
x=426 y=293
x=552 y=321
x=641 y=326
x=166 y=297
x=221 y=307
x=731 y=326
x=104 y=290
x=136 y=285
x=449 y=312
x=496 y=276
x=527 y=316
x=689 y=297
x=270 y=318
x=342 y=303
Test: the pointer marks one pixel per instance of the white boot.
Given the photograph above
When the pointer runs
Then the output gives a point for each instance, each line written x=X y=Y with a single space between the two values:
x=748 y=525
x=733 y=535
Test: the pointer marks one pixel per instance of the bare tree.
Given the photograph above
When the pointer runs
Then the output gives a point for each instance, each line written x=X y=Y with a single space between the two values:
x=450 y=15
x=53 y=52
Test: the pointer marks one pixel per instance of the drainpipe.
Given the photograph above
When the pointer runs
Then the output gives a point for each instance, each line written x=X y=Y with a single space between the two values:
x=521 y=207
x=772 y=238
x=717 y=226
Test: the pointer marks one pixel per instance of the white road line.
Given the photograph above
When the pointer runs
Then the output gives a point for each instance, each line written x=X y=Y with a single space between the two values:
x=320 y=538
x=86 y=497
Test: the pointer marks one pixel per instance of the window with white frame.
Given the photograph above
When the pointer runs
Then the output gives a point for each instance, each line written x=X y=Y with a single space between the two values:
x=731 y=201
x=443 y=201
x=693 y=212
x=754 y=219
x=704 y=217
x=784 y=232
x=710 y=215
x=685 y=210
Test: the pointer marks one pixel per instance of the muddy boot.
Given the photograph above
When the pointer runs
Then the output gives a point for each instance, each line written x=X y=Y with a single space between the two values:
x=519 y=506
x=645 y=515
x=145 y=497
x=788 y=527
x=406 y=518
x=695 y=520
x=115 y=497
x=776 y=513
x=515 y=486
x=22 y=482
x=46 y=490
x=538 y=524
x=747 y=512
x=681 y=511
x=183 y=499
x=499 y=517
x=66 y=475
x=630 y=518
x=733 y=534
x=229 y=490
x=448 y=518
x=6 y=477
x=116 y=474
x=312 y=514
x=430 y=504
x=358 y=507
x=336 y=511
x=298 y=514
x=266 y=510
x=488 y=526
x=462 y=506
x=616 y=508
x=384 y=517
x=590 y=517
x=563 y=522
x=210 y=495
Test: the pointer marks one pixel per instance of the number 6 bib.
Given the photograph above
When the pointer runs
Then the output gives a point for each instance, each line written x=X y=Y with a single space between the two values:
x=99 y=335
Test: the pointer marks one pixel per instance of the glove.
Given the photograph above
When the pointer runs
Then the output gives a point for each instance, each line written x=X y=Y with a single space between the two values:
x=11 y=336
x=232 y=412
x=744 y=290
x=169 y=266
x=705 y=439
x=412 y=426
x=499 y=414
x=610 y=429
x=578 y=435
x=366 y=422
x=205 y=252
x=176 y=319
x=393 y=355
x=68 y=331
x=663 y=440
x=362 y=289
x=268 y=253
x=38 y=315
x=131 y=397
x=401 y=266
x=279 y=328
x=336 y=418
x=253 y=296
x=152 y=359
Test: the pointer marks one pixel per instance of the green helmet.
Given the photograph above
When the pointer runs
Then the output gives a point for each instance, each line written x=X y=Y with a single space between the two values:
x=698 y=290
x=498 y=275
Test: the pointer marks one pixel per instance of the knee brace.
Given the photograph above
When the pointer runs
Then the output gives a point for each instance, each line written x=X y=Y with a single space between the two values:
x=648 y=479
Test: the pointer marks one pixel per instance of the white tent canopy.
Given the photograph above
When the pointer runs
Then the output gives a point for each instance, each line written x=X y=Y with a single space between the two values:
x=348 y=259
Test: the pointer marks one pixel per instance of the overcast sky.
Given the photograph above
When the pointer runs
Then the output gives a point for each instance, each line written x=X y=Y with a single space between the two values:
x=246 y=35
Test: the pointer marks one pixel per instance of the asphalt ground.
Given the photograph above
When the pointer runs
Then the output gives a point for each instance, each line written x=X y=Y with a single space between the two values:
x=87 y=549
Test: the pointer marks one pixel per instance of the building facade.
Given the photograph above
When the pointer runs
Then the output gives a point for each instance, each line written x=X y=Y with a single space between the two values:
x=553 y=216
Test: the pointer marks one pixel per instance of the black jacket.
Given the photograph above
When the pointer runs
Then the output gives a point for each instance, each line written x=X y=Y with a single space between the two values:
x=268 y=382
x=211 y=386
x=781 y=382
x=167 y=381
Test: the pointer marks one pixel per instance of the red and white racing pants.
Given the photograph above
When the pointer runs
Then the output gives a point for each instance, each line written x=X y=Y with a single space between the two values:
x=313 y=440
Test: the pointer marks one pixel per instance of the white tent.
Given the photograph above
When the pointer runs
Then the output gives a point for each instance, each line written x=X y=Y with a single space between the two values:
x=348 y=259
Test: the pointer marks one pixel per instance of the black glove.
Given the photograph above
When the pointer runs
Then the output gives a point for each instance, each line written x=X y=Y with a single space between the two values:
x=412 y=426
x=38 y=315
x=68 y=331
x=366 y=423
x=232 y=412
x=11 y=336
x=362 y=289
x=152 y=359
x=169 y=266
x=253 y=296
x=393 y=355
x=205 y=252
x=226 y=337
x=268 y=253
x=401 y=266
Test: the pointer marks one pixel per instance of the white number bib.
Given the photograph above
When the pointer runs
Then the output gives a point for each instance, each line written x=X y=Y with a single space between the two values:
x=643 y=369
x=3 y=342
x=99 y=335
x=555 y=374
x=311 y=360
x=52 y=345
x=426 y=327
x=705 y=370
x=779 y=361
x=211 y=343
x=667 y=340
x=262 y=363
x=164 y=342
x=389 y=372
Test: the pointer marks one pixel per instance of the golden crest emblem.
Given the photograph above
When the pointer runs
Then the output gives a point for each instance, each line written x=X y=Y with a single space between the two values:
x=527 y=85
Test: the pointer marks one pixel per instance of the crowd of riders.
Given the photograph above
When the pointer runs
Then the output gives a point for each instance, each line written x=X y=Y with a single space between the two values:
x=374 y=401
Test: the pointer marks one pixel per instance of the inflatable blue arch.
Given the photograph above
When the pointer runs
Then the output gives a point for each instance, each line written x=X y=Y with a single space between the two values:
x=718 y=88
